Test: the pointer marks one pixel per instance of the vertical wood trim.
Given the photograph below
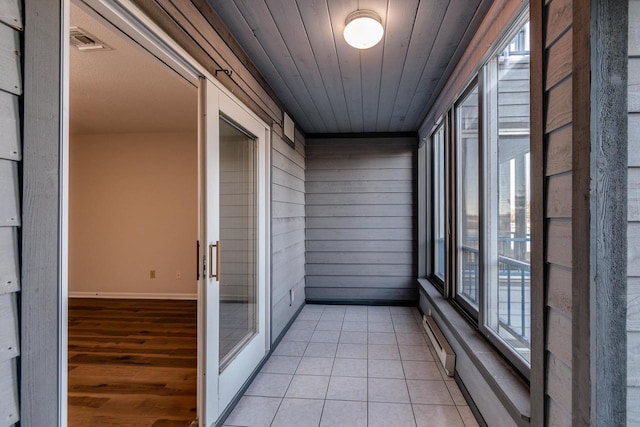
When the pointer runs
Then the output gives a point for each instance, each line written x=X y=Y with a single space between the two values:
x=538 y=293
x=608 y=204
x=581 y=241
x=40 y=381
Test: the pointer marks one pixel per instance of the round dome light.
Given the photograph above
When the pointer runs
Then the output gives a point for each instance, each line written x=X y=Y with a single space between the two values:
x=363 y=29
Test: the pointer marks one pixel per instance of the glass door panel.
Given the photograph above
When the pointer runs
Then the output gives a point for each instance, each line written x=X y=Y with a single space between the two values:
x=238 y=288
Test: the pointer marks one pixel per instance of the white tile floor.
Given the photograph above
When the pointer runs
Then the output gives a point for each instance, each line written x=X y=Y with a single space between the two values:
x=352 y=366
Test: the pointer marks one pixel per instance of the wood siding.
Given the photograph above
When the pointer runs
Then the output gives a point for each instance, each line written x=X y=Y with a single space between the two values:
x=288 y=171
x=361 y=219
x=10 y=218
x=633 y=213
x=557 y=136
x=579 y=118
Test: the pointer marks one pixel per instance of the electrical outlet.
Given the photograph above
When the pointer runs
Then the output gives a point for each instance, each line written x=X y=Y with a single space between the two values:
x=178 y=275
x=152 y=274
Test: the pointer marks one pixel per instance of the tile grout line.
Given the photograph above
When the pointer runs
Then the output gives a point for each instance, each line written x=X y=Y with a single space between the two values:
x=415 y=420
x=400 y=321
x=367 y=370
x=294 y=373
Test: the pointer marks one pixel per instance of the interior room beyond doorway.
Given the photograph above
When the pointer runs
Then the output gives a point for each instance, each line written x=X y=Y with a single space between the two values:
x=133 y=212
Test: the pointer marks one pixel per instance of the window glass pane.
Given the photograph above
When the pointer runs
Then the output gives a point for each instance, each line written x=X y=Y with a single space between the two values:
x=468 y=199
x=438 y=202
x=508 y=198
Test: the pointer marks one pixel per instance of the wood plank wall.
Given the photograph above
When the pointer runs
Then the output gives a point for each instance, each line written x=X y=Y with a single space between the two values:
x=10 y=218
x=633 y=231
x=361 y=219
x=557 y=113
x=288 y=174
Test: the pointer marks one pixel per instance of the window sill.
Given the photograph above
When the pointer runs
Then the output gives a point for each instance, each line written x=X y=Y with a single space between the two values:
x=504 y=382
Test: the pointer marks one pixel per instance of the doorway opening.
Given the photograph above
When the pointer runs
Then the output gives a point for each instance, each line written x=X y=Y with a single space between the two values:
x=133 y=228
x=159 y=124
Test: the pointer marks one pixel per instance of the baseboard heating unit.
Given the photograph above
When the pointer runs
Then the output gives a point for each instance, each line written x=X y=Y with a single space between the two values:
x=445 y=352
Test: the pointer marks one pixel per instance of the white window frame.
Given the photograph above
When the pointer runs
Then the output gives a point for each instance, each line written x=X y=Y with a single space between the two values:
x=436 y=204
x=488 y=78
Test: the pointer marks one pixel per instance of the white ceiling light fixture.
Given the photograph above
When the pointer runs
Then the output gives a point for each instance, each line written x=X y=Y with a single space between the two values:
x=363 y=29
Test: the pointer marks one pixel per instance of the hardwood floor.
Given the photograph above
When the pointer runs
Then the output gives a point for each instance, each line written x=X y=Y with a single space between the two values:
x=132 y=363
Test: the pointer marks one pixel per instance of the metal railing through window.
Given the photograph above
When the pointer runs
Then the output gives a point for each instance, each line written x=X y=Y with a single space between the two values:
x=514 y=284
x=514 y=280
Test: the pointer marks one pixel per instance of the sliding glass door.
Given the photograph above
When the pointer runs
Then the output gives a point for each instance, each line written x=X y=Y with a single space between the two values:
x=234 y=225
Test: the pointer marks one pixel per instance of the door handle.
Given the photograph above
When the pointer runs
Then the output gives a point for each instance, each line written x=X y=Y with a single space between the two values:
x=217 y=273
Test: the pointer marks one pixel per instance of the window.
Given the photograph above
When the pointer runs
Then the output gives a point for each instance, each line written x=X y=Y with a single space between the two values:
x=439 y=201
x=507 y=177
x=467 y=116
x=490 y=195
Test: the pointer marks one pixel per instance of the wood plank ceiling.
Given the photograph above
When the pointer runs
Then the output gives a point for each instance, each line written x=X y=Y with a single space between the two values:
x=329 y=87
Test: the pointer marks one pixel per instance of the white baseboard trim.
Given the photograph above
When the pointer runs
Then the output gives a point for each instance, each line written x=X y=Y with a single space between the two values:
x=132 y=295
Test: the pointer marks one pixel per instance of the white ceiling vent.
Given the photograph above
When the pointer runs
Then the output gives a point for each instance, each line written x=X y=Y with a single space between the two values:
x=84 y=41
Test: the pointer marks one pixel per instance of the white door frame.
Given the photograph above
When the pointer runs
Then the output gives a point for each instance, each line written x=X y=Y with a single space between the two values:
x=214 y=104
x=128 y=18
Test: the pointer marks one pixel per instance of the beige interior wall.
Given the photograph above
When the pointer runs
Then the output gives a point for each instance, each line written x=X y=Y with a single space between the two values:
x=133 y=209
